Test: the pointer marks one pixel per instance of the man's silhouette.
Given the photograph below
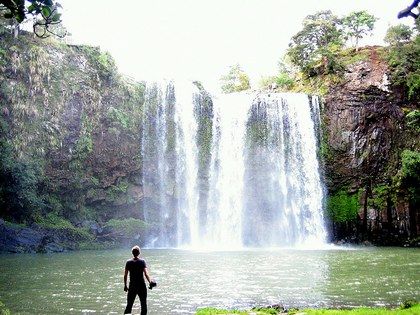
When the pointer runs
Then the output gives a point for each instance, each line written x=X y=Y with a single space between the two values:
x=138 y=270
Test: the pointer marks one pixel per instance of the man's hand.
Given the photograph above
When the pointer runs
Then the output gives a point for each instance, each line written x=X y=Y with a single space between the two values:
x=152 y=284
x=125 y=288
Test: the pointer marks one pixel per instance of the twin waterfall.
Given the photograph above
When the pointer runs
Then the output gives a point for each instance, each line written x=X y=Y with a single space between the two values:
x=233 y=171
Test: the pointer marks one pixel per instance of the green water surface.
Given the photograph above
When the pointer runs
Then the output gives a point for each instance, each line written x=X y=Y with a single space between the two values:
x=92 y=281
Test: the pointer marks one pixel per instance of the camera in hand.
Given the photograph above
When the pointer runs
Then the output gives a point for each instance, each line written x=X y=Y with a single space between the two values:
x=152 y=284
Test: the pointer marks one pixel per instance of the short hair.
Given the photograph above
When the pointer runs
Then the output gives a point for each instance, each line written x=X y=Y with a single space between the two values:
x=135 y=251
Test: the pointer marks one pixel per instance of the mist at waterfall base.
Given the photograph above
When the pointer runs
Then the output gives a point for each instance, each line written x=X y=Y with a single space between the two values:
x=230 y=171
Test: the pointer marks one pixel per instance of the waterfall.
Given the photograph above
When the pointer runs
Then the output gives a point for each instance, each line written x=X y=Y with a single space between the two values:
x=283 y=191
x=225 y=203
x=230 y=171
x=186 y=130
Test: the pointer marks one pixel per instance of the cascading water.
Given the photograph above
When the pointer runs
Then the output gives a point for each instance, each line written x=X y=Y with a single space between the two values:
x=226 y=202
x=283 y=192
x=186 y=131
x=169 y=160
x=238 y=170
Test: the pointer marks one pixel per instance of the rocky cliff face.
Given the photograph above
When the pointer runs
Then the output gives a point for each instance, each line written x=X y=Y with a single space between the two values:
x=365 y=134
x=361 y=122
x=70 y=135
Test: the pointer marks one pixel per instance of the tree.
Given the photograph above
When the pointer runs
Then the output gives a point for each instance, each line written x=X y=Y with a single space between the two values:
x=316 y=42
x=358 y=24
x=398 y=34
x=235 y=81
x=44 y=13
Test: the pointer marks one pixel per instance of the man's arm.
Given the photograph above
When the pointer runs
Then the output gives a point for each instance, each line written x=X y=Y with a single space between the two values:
x=125 y=280
x=146 y=274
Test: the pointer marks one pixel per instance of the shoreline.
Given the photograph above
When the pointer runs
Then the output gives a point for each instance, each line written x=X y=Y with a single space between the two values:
x=406 y=308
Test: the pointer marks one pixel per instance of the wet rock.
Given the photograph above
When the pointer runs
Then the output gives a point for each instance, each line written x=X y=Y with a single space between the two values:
x=135 y=193
x=93 y=226
x=17 y=239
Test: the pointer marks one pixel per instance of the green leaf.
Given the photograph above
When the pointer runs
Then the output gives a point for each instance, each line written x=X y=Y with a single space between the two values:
x=31 y=8
x=46 y=11
x=20 y=17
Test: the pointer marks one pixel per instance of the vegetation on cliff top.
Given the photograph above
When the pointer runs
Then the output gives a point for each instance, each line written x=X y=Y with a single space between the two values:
x=319 y=49
x=235 y=80
x=327 y=44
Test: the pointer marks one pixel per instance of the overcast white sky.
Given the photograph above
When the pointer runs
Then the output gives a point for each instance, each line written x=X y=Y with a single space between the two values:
x=199 y=39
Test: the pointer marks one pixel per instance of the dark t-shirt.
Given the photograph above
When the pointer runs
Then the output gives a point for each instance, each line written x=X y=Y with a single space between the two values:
x=136 y=269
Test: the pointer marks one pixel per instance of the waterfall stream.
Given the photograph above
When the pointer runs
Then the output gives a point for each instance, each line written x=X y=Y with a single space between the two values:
x=230 y=171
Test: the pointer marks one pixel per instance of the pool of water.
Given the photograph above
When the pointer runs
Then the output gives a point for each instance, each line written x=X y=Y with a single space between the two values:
x=92 y=281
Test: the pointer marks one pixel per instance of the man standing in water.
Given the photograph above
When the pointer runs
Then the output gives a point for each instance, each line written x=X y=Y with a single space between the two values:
x=138 y=270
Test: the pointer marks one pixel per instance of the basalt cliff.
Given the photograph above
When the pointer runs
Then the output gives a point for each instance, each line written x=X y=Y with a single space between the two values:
x=370 y=150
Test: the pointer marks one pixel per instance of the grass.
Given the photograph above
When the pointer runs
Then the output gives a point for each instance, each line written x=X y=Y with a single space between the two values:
x=215 y=311
x=407 y=310
x=414 y=310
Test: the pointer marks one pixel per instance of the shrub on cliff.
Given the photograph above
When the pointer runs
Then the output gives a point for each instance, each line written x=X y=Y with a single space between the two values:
x=55 y=223
x=404 y=60
x=342 y=206
x=410 y=165
x=284 y=80
x=410 y=173
x=19 y=186
x=413 y=120
x=235 y=80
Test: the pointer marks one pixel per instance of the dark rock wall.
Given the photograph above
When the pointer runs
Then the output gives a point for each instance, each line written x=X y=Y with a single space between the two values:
x=364 y=134
x=67 y=110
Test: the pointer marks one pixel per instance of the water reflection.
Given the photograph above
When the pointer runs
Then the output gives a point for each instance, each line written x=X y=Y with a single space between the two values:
x=84 y=282
x=373 y=277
